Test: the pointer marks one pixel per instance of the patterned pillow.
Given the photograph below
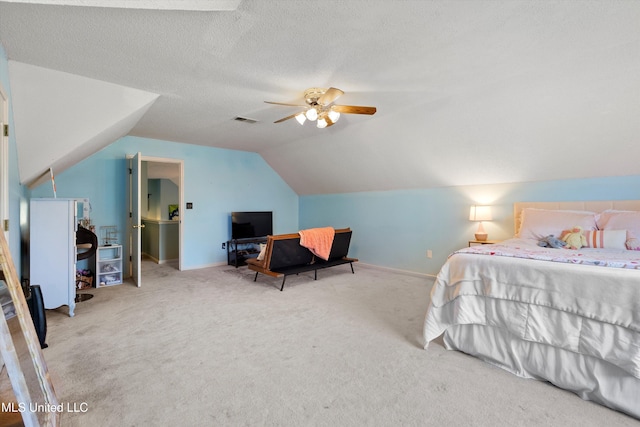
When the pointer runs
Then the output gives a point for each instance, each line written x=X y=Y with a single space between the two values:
x=633 y=244
x=606 y=239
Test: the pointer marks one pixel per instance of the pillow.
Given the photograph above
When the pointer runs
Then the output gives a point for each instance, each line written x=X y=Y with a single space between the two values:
x=539 y=223
x=263 y=249
x=622 y=220
x=606 y=239
x=633 y=244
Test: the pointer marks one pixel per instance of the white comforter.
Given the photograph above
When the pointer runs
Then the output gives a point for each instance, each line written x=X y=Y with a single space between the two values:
x=587 y=309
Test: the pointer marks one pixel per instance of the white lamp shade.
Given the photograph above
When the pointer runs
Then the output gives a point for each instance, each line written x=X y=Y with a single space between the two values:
x=322 y=123
x=480 y=213
x=311 y=114
x=301 y=118
x=334 y=116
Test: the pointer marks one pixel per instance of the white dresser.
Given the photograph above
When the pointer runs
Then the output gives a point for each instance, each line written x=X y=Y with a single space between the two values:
x=52 y=249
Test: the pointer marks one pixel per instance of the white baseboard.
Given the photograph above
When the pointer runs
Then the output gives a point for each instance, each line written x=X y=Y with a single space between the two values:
x=395 y=270
x=159 y=261
x=213 y=264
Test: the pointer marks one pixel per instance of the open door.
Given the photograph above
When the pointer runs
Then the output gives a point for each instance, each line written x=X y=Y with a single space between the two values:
x=4 y=162
x=136 y=222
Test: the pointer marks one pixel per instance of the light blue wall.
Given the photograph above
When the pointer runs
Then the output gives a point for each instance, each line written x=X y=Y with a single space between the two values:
x=396 y=228
x=17 y=193
x=216 y=181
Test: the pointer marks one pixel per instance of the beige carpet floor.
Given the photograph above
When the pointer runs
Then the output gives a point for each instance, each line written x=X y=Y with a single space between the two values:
x=212 y=347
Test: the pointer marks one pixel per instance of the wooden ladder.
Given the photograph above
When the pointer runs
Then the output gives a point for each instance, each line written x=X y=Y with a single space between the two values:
x=34 y=398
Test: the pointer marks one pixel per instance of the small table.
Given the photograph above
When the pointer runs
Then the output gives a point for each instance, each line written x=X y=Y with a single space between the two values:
x=482 y=242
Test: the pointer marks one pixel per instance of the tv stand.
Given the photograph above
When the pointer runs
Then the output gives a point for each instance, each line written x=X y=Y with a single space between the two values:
x=239 y=250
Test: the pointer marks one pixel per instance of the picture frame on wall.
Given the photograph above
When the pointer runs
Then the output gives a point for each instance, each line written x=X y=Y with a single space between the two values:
x=174 y=214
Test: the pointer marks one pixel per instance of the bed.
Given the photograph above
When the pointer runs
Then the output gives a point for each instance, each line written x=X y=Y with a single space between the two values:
x=569 y=317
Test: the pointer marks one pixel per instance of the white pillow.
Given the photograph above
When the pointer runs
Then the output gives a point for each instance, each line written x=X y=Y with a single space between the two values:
x=622 y=220
x=606 y=239
x=263 y=249
x=539 y=223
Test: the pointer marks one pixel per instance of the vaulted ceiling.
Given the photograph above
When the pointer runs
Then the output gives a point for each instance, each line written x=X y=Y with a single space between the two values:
x=467 y=92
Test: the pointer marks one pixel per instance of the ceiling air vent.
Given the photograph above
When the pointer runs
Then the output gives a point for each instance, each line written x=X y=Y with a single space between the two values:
x=245 y=119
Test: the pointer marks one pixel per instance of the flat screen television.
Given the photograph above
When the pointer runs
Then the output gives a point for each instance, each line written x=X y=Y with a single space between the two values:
x=246 y=225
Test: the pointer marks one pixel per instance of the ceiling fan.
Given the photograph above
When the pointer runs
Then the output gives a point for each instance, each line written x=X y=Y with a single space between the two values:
x=320 y=106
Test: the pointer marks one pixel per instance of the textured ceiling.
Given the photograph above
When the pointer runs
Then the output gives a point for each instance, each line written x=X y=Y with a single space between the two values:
x=467 y=92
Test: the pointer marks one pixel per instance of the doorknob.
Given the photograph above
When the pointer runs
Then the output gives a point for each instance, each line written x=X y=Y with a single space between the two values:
x=139 y=226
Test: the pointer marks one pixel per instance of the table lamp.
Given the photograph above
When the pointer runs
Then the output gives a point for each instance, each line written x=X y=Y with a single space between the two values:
x=480 y=213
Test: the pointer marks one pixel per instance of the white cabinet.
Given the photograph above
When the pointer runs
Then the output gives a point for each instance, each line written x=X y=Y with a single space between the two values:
x=108 y=265
x=52 y=250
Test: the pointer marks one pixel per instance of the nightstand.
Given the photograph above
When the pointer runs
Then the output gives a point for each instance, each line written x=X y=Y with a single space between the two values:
x=482 y=242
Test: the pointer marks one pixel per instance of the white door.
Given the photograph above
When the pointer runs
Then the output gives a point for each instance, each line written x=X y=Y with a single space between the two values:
x=4 y=164
x=136 y=222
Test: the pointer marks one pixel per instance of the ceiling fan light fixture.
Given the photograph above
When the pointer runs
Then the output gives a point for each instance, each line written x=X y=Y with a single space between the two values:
x=301 y=118
x=311 y=114
x=320 y=106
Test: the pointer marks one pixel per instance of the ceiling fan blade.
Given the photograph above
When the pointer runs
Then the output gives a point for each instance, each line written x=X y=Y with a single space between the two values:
x=284 y=103
x=353 y=109
x=330 y=95
x=286 y=118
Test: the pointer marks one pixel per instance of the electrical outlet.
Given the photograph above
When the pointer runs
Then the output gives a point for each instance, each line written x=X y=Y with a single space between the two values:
x=429 y=253
x=224 y=245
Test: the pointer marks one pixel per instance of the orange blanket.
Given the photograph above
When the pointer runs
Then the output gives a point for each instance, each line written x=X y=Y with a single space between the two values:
x=318 y=241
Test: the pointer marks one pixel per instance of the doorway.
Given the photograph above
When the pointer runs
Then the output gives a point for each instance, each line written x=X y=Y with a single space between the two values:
x=156 y=201
x=159 y=203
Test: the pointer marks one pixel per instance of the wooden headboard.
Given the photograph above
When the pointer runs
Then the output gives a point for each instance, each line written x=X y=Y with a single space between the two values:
x=592 y=206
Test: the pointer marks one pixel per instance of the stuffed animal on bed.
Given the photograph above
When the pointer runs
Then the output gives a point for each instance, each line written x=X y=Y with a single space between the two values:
x=574 y=238
x=551 y=242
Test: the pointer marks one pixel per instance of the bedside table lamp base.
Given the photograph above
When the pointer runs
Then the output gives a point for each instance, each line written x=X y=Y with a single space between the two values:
x=481 y=235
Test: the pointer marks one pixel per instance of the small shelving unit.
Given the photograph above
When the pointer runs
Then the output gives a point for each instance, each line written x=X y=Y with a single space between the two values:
x=108 y=266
